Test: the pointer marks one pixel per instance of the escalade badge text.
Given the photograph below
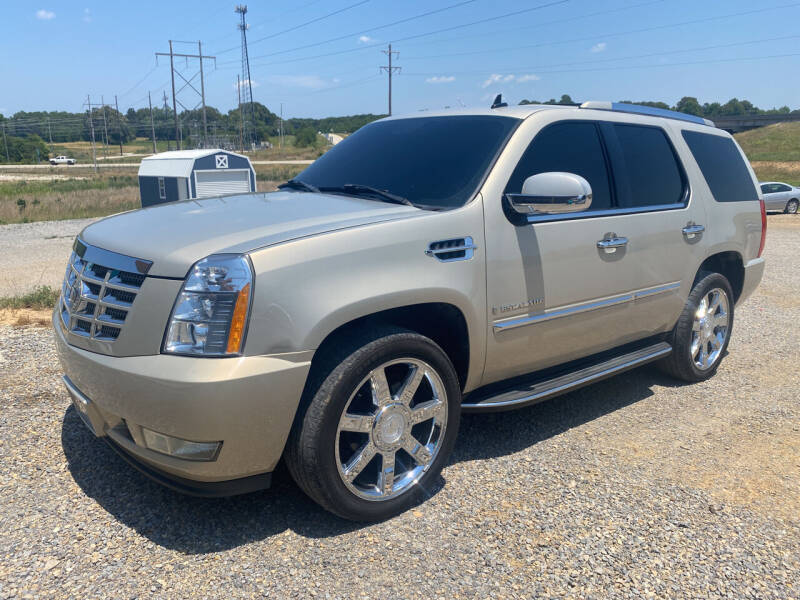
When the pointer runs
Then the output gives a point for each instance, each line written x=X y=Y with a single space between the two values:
x=509 y=307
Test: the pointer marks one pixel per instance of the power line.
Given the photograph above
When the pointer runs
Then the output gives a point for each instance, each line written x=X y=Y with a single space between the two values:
x=372 y=29
x=296 y=27
x=629 y=57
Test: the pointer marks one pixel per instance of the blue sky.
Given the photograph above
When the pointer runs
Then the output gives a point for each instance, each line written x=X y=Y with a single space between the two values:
x=55 y=53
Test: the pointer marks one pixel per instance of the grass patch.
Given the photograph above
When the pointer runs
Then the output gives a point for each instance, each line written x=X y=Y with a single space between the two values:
x=779 y=142
x=36 y=188
x=42 y=297
x=58 y=206
x=278 y=173
x=788 y=172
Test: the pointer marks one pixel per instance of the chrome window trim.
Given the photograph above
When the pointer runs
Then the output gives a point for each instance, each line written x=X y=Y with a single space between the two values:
x=111 y=260
x=500 y=326
x=611 y=212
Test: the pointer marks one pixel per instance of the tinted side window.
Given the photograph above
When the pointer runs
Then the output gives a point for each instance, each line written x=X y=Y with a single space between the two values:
x=782 y=188
x=766 y=188
x=645 y=166
x=722 y=166
x=573 y=147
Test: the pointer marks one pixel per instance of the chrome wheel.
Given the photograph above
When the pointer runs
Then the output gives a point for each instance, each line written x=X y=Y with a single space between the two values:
x=791 y=208
x=391 y=429
x=710 y=329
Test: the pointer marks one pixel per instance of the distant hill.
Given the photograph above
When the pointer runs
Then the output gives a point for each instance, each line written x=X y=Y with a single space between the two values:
x=780 y=142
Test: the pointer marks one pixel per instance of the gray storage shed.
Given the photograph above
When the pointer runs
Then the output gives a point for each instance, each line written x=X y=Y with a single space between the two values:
x=185 y=174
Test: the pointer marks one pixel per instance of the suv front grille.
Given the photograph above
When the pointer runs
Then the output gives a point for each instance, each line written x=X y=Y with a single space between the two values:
x=96 y=299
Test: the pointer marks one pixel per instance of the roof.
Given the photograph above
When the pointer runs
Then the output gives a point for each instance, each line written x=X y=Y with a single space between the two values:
x=178 y=163
x=518 y=111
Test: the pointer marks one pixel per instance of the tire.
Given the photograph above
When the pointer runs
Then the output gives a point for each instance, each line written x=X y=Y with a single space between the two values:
x=791 y=207
x=330 y=455
x=701 y=339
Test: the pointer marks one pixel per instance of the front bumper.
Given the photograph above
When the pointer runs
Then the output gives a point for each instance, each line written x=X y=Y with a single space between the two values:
x=753 y=272
x=247 y=403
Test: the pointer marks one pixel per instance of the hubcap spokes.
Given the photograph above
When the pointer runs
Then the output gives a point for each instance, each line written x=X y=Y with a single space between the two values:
x=391 y=429
x=710 y=329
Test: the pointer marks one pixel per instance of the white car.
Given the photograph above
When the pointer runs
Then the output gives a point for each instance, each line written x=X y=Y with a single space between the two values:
x=780 y=196
x=62 y=160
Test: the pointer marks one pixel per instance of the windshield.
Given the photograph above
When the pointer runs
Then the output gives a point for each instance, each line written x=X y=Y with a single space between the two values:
x=435 y=162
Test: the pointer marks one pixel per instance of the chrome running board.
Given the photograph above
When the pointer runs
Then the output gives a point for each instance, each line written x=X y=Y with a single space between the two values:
x=526 y=393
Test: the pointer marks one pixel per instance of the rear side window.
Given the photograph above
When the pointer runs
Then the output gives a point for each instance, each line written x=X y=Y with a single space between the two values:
x=722 y=165
x=571 y=147
x=646 y=170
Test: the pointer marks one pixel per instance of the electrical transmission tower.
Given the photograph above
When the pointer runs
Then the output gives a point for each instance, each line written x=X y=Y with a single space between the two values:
x=188 y=83
x=247 y=83
x=390 y=69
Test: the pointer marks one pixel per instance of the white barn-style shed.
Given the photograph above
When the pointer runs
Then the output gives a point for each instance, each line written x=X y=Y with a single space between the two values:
x=186 y=174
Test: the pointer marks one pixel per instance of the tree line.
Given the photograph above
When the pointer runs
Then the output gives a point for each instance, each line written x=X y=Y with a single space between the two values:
x=690 y=105
x=27 y=134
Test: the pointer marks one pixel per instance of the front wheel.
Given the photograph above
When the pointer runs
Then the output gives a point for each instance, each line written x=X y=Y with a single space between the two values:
x=379 y=428
x=791 y=207
x=703 y=331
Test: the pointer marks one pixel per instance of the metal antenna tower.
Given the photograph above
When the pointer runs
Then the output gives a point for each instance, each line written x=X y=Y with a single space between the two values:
x=246 y=82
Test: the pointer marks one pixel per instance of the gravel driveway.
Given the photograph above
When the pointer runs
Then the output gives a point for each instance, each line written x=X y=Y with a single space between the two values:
x=33 y=254
x=634 y=487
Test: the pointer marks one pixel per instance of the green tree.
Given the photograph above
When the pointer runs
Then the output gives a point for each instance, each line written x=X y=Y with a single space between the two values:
x=690 y=106
x=306 y=137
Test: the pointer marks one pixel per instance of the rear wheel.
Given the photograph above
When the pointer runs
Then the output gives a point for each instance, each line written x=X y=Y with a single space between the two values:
x=791 y=207
x=703 y=331
x=379 y=428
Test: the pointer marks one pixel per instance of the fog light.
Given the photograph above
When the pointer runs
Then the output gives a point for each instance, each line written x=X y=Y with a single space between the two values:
x=172 y=446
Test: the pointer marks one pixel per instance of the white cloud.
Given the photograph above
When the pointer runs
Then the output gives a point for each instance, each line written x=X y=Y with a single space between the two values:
x=441 y=79
x=45 y=15
x=87 y=15
x=243 y=83
x=311 y=82
x=365 y=39
x=496 y=78
x=599 y=47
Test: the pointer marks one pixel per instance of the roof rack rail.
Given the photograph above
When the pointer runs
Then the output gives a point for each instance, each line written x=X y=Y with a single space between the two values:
x=651 y=111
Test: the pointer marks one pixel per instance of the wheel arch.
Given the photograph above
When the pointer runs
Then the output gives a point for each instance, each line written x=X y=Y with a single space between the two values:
x=728 y=263
x=443 y=322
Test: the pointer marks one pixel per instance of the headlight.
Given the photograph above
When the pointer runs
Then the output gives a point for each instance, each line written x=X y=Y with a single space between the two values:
x=210 y=314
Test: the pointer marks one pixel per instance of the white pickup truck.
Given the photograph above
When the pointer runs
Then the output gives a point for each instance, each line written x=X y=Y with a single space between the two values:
x=62 y=160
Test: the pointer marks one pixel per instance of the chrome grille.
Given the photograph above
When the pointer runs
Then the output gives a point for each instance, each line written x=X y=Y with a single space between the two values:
x=96 y=299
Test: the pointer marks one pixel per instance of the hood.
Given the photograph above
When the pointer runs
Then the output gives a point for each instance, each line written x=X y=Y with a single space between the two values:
x=174 y=236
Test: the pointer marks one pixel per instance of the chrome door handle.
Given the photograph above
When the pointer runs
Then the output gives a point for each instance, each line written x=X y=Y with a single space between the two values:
x=692 y=230
x=610 y=244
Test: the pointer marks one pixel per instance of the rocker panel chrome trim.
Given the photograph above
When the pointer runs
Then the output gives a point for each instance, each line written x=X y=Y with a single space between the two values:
x=555 y=313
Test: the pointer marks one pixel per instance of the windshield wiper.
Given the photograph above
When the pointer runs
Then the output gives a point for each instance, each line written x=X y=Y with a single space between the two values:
x=356 y=189
x=297 y=184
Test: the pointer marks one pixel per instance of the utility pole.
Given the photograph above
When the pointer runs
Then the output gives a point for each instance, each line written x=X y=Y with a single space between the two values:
x=152 y=125
x=390 y=69
x=281 y=131
x=91 y=127
x=186 y=83
x=203 y=94
x=105 y=128
x=166 y=112
x=119 y=124
x=49 y=133
x=5 y=142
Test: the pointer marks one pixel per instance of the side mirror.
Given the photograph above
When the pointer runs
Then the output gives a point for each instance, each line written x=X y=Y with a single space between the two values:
x=552 y=194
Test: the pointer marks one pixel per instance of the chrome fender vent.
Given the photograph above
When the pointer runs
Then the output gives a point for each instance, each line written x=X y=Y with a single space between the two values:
x=450 y=250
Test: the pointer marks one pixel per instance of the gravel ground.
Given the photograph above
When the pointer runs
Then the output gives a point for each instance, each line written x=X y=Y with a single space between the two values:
x=634 y=487
x=34 y=254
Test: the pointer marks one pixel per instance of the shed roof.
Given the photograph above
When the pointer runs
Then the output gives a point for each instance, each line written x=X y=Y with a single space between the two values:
x=178 y=163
